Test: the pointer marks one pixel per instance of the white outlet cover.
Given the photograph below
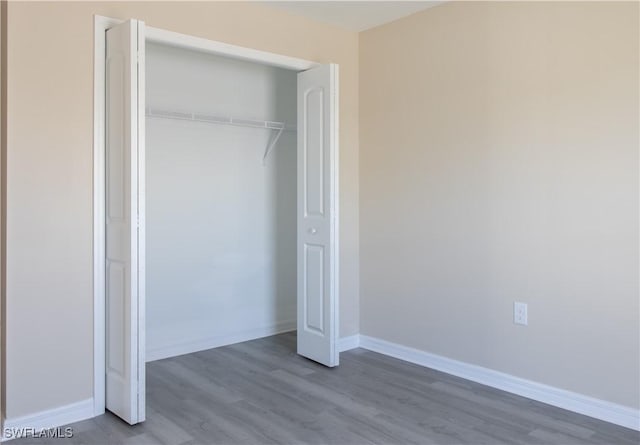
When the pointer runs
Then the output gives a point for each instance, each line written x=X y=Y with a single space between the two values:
x=520 y=313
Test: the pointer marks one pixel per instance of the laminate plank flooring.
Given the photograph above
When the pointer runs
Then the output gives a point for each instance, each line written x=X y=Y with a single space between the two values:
x=261 y=392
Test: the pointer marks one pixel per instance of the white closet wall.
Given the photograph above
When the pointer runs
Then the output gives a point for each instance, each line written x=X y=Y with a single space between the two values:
x=221 y=226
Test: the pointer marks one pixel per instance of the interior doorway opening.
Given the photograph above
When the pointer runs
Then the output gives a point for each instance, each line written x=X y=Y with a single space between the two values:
x=221 y=196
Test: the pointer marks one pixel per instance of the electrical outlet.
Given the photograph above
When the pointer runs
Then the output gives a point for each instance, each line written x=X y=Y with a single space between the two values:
x=520 y=313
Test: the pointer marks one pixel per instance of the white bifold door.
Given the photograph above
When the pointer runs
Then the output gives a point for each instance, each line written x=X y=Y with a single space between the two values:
x=124 y=361
x=317 y=233
x=317 y=214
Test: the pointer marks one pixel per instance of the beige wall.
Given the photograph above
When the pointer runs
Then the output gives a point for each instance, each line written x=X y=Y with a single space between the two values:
x=49 y=202
x=499 y=162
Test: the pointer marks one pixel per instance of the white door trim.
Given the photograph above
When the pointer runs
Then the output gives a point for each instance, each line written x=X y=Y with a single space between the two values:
x=101 y=25
x=171 y=38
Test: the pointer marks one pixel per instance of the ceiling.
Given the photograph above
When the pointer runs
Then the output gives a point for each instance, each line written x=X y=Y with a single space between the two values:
x=353 y=15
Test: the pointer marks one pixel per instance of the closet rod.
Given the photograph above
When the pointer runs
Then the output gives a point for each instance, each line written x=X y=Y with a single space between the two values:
x=279 y=127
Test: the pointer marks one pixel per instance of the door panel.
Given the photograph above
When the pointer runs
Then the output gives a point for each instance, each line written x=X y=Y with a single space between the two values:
x=317 y=207
x=314 y=269
x=124 y=163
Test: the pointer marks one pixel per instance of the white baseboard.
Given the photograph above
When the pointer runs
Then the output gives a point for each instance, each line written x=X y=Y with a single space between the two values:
x=589 y=406
x=51 y=418
x=346 y=343
x=221 y=340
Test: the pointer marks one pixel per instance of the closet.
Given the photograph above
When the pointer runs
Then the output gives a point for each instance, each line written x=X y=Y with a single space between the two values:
x=216 y=203
x=220 y=200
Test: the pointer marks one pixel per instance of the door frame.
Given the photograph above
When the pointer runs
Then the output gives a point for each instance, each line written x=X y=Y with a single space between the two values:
x=157 y=35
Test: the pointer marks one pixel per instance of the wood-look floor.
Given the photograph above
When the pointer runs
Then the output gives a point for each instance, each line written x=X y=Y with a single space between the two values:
x=261 y=392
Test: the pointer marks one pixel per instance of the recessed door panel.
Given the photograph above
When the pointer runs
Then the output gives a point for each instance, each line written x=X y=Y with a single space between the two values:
x=314 y=289
x=314 y=152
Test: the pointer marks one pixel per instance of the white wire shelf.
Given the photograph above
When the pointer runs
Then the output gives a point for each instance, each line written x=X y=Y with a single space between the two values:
x=279 y=127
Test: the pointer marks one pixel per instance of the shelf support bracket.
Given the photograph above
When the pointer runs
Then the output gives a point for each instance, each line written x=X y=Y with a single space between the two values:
x=271 y=145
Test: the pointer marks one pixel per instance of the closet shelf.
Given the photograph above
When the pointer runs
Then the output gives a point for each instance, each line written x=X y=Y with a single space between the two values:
x=279 y=127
